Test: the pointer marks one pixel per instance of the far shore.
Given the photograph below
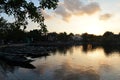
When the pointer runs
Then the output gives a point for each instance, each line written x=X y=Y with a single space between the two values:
x=40 y=44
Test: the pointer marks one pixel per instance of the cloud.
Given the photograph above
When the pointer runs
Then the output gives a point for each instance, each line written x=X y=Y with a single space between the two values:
x=61 y=10
x=91 y=8
x=46 y=15
x=76 y=7
x=73 y=5
x=105 y=16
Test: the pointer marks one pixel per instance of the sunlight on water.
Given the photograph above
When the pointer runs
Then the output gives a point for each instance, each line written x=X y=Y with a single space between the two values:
x=75 y=63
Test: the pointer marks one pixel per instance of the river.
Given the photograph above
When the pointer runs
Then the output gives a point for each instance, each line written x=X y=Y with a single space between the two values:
x=71 y=63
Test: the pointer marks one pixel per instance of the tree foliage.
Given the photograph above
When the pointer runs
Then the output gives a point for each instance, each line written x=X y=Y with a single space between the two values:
x=22 y=10
x=108 y=33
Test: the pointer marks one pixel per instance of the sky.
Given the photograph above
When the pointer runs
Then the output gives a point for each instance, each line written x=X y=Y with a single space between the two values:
x=81 y=16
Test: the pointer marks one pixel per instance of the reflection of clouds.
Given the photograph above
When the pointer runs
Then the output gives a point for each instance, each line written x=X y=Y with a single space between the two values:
x=70 y=50
x=107 y=73
x=79 y=66
x=41 y=68
x=25 y=74
x=67 y=71
x=105 y=66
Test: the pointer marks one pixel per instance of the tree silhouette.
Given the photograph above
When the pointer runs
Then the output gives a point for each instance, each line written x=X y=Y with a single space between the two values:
x=108 y=33
x=22 y=10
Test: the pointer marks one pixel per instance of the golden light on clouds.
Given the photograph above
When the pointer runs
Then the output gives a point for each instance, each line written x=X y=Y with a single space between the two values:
x=79 y=17
x=105 y=16
x=69 y=8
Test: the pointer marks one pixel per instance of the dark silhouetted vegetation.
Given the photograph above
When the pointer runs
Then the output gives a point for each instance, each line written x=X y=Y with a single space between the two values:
x=108 y=38
x=23 y=10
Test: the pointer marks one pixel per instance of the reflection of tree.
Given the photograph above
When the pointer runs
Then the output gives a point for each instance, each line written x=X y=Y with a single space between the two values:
x=110 y=49
x=9 y=67
x=107 y=49
x=85 y=49
x=64 y=49
x=88 y=47
x=5 y=68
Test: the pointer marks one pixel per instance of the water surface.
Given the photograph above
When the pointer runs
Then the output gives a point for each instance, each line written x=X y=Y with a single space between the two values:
x=72 y=63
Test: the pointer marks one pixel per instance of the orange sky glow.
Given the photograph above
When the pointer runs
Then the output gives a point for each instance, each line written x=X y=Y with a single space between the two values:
x=80 y=16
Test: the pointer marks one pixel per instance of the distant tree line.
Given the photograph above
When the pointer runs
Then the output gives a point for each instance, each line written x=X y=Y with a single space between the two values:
x=108 y=38
x=10 y=33
x=15 y=35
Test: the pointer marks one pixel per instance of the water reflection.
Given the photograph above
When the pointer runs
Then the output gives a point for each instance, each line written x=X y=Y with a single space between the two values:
x=108 y=50
x=68 y=71
x=88 y=47
x=85 y=62
x=63 y=50
x=7 y=69
x=111 y=49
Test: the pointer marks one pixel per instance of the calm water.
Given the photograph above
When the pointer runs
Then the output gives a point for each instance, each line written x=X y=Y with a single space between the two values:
x=73 y=63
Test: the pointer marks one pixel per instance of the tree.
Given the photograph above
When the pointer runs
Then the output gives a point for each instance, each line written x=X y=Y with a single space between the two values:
x=22 y=10
x=108 y=38
x=8 y=32
x=52 y=36
x=15 y=35
x=107 y=34
x=85 y=37
x=34 y=35
x=3 y=28
x=44 y=29
x=63 y=36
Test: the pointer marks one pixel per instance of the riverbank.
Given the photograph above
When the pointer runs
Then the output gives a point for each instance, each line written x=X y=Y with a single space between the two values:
x=34 y=49
x=25 y=50
x=19 y=53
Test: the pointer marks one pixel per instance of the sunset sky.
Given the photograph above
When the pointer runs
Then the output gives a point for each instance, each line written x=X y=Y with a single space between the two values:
x=80 y=16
